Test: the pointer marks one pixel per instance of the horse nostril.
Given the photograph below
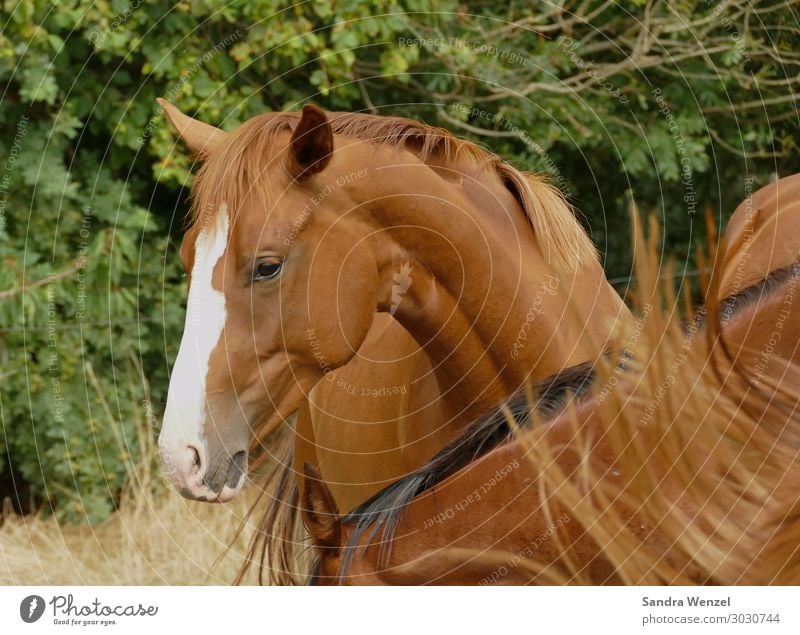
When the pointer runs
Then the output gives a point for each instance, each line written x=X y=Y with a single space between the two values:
x=237 y=467
x=196 y=462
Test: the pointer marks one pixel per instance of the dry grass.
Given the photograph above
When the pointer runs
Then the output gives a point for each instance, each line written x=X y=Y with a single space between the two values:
x=158 y=539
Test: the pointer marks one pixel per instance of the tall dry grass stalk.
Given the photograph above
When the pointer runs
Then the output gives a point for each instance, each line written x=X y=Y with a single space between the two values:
x=156 y=537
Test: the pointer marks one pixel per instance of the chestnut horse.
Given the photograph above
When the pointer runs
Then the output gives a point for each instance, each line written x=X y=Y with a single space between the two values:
x=680 y=469
x=763 y=235
x=306 y=225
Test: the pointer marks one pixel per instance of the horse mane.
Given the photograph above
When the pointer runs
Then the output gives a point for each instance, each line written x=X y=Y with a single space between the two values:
x=730 y=448
x=229 y=173
x=277 y=529
x=384 y=511
x=280 y=530
x=726 y=444
x=751 y=431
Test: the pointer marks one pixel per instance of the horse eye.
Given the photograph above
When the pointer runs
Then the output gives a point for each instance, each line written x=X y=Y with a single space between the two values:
x=267 y=270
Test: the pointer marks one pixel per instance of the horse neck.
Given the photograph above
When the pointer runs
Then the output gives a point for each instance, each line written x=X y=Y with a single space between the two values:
x=464 y=274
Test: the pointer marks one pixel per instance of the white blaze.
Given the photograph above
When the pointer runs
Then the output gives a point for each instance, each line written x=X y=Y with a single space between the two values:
x=205 y=318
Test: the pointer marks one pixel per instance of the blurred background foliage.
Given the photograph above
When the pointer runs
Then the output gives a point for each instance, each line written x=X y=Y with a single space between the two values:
x=675 y=104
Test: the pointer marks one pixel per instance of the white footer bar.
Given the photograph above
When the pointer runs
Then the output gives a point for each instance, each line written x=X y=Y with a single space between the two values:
x=401 y=611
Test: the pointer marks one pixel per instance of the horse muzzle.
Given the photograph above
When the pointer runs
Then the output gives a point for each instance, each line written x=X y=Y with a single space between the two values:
x=197 y=476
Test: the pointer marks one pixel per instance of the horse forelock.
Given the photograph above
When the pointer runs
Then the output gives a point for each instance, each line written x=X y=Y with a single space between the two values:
x=237 y=168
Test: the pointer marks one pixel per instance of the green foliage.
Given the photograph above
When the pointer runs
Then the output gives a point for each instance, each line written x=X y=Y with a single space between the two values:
x=656 y=105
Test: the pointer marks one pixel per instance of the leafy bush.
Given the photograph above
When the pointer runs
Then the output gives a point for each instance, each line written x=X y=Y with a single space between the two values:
x=676 y=107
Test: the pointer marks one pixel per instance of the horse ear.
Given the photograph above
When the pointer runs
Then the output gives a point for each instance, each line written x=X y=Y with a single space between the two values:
x=312 y=143
x=320 y=513
x=201 y=138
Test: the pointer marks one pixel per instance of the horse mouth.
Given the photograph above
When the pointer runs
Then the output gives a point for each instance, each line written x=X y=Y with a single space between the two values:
x=216 y=482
